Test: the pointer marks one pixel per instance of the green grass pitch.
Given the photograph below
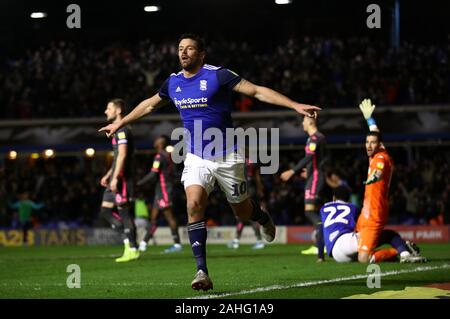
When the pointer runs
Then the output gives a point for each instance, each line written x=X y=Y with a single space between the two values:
x=282 y=272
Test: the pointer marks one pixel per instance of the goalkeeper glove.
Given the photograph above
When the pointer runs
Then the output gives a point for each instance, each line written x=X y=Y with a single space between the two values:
x=367 y=109
x=373 y=178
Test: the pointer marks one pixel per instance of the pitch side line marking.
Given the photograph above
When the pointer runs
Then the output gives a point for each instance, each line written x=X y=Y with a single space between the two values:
x=91 y=284
x=320 y=282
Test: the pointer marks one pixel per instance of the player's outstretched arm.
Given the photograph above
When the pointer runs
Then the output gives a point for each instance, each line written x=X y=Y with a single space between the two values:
x=286 y=175
x=145 y=107
x=267 y=95
x=367 y=109
x=150 y=177
x=15 y=205
x=36 y=206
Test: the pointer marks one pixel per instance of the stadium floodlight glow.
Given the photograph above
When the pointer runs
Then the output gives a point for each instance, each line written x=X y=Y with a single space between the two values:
x=151 y=8
x=49 y=153
x=283 y=1
x=12 y=155
x=169 y=148
x=90 y=152
x=38 y=15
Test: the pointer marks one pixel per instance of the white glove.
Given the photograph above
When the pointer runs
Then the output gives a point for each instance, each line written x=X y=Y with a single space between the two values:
x=367 y=108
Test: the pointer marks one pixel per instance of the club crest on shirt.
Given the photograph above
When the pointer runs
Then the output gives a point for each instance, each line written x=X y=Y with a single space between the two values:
x=203 y=84
x=312 y=147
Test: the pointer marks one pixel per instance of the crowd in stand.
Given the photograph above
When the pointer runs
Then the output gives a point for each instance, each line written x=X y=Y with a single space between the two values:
x=69 y=189
x=64 y=79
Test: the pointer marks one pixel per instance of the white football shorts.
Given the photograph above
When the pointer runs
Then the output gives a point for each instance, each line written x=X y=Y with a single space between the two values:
x=345 y=248
x=229 y=174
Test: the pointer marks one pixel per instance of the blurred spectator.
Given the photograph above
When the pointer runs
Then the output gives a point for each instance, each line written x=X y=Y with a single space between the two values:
x=24 y=207
x=70 y=190
x=65 y=79
x=244 y=104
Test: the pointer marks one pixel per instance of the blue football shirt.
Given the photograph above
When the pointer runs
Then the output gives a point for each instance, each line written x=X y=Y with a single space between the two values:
x=338 y=218
x=203 y=99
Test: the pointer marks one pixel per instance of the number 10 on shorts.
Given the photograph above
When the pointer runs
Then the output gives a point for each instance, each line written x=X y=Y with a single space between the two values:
x=239 y=189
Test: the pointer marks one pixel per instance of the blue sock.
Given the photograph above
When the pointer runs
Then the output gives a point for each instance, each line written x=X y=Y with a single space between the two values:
x=320 y=242
x=197 y=237
x=398 y=243
x=314 y=218
x=392 y=238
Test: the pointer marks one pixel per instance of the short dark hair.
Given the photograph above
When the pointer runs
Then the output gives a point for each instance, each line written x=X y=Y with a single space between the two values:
x=342 y=193
x=375 y=133
x=196 y=38
x=330 y=171
x=120 y=103
x=166 y=139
